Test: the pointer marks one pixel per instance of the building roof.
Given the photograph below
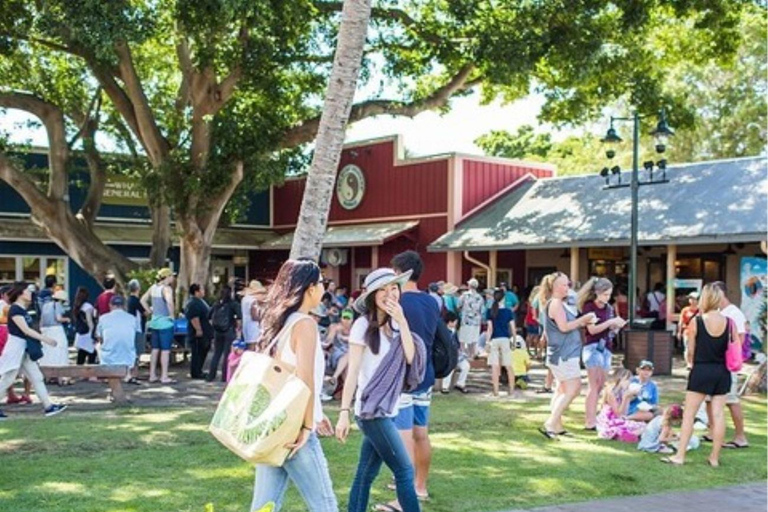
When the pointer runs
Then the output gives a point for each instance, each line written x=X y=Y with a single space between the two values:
x=358 y=235
x=135 y=234
x=716 y=201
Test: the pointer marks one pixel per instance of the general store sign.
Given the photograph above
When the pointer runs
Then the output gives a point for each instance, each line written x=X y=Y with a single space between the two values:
x=124 y=191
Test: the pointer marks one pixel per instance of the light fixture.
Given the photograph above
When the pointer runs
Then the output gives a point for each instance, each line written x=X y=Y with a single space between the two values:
x=729 y=250
x=611 y=137
x=605 y=173
x=662 y=165
x=662 y=133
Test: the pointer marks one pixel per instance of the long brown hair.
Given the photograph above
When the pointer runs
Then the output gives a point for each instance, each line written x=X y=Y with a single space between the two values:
x=286 y=295
x=498 y=296
x=372 y=338
x=594 y=287
x=81 y=297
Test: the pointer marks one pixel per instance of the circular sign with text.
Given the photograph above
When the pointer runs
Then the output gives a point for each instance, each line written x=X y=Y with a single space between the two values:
x=350 y=188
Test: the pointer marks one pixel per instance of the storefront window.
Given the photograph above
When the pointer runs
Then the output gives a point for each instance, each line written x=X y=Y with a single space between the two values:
x=7 y=269
x=31 y=270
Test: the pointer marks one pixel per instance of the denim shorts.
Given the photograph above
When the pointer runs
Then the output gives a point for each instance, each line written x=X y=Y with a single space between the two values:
x=413 y=410
x=162 y=339
x=593 y=358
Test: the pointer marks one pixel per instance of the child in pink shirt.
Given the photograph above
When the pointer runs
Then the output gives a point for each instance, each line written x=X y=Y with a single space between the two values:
x=233 y=360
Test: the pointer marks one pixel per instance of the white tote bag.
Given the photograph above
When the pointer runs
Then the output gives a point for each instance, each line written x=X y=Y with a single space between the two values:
x=262 y=408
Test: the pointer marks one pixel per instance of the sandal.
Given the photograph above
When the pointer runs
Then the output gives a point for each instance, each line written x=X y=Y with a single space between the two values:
x=706 y=439
x=134 y=381
x=731 y=445
x=668 y=460
x=547 y=433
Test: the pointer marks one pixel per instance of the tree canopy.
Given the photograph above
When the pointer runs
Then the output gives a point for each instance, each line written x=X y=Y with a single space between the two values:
x=720 y=103
x=214 y=93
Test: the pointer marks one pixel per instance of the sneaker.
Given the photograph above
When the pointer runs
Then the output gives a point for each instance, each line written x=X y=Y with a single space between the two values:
x=325 y=397
x=3 y=416
x=54 y=410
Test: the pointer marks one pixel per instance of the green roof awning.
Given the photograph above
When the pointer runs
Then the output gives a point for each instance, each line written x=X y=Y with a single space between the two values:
x=136 y=234
x=358 y=235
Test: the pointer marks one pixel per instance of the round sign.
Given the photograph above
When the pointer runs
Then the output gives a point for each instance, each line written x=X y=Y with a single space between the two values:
x=350 y=188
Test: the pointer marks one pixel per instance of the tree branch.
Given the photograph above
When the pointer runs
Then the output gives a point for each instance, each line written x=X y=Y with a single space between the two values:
x=185 y=64
x=148 y=132
x=53 y=120
x=306 y=131
x=209 y=221
x=21 y=182
x=383 y=13
x=92 y=204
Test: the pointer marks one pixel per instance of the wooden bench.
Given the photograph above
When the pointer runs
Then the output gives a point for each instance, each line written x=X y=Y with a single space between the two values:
x=114 y=374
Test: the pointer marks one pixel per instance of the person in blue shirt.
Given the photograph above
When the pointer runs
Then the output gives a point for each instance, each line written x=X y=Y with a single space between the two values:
x=510 y=298
x=645 y=403
x=422 y=314
x=501 y=322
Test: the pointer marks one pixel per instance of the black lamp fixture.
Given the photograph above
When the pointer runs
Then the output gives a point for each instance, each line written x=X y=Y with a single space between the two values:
x=662 y=133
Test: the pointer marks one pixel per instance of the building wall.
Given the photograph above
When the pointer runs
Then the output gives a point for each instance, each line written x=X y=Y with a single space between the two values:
x=482 y=179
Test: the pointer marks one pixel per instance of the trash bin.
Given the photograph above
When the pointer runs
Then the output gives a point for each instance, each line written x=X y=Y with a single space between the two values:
x=656 y=346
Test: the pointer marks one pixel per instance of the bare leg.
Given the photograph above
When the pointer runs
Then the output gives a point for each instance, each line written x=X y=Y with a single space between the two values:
x=718 y=429
x=692 y=403
x=495 y=371
x=341 y=367
x=596 y=381
x=153 y=357
x=641 y=416
x=549 y=380
x=422 y=458
x=739 y=437
x=570 y=390
x=165 y=359
x=511 y=375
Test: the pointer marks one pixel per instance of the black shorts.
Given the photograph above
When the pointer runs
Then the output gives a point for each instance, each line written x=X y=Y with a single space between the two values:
x=709 y=379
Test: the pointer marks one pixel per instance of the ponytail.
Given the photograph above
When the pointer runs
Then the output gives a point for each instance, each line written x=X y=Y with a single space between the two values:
x=593 y=287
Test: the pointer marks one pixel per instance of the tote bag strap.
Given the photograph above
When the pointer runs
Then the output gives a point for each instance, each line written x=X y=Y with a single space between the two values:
x=284 y=331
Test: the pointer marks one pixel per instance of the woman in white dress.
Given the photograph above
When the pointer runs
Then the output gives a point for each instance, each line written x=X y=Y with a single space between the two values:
x=52 y=322
x=82 y=314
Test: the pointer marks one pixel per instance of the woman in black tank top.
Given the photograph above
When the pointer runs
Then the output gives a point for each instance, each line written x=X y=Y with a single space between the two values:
x=708 y=338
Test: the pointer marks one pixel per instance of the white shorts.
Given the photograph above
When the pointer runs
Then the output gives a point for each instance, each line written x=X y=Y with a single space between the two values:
x=469 y=334
x=500 y=353
x=566 y=370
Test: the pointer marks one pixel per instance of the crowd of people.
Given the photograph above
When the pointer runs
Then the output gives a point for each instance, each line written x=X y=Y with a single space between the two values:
x=372 y=351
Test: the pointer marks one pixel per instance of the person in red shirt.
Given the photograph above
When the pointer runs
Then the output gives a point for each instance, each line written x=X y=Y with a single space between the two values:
x=686 y=315
x=102 y=301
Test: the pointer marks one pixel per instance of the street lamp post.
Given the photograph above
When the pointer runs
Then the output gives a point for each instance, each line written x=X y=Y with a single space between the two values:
x=661 y=133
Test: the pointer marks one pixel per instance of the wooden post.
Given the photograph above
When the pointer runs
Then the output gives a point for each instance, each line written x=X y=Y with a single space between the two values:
x=492 y=263
x=574 y=274
x=671 y=275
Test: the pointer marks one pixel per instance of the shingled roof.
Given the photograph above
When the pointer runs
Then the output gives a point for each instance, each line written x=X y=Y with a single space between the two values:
x=706 y=202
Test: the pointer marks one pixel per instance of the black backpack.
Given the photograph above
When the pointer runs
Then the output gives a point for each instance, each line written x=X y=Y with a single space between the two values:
x=221 y=318
x=445 y=352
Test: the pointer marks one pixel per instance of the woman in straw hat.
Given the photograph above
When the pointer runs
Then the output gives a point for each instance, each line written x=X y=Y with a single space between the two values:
x=385 y=358
x=298 y=289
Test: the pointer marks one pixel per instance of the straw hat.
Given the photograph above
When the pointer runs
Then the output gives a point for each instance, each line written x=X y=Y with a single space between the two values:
x=378 y=279
x=60 y=295
x=450 y=288
x=255 y=286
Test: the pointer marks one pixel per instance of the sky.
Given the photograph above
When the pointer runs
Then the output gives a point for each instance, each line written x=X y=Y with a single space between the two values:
x=428 y=133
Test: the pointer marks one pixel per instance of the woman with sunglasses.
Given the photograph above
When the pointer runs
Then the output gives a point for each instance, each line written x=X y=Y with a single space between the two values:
x=297 y=290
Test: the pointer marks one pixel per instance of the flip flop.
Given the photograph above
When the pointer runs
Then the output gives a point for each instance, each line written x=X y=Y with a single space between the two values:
x=591 y=429
x=134 y=381
x=733 y=445
x=169 y=381
x=422 y=497
x=547 y=433
x=667 y=460
x=564 y=433
x=709 y=463
x=706 y=439
x=385 y=507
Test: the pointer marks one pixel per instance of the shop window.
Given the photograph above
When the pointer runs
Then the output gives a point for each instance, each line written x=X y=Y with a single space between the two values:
x=30 y=270
x=503 y=275
x=7 y=269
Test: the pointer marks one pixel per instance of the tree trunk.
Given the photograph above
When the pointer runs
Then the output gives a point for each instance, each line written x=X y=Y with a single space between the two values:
x=313 y=217
x=161 y=233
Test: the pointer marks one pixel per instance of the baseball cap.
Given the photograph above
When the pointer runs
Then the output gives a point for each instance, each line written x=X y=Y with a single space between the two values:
x=239 y=344
x=645 y=364
x=693 y=295
x=348 y=314
x=117 y=300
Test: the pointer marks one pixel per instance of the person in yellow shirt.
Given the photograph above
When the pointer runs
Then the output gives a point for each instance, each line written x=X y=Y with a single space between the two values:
x=521 y=363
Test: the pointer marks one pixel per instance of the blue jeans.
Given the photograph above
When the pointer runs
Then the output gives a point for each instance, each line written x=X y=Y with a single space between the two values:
x=308 y=470
x=382 y=443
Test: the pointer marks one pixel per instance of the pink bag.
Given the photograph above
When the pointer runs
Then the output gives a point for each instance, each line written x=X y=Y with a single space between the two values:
x=733 y=352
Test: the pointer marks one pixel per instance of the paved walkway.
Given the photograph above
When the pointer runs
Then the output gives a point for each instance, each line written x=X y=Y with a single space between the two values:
x=740 y=498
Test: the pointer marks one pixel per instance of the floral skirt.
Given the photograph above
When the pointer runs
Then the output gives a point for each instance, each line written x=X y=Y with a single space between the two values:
x=612 y=426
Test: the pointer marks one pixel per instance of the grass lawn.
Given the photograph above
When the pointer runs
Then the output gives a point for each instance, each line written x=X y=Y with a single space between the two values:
x=488 y=456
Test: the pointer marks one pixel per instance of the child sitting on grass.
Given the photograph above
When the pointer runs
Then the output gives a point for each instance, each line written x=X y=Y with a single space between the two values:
x=521 y=363
x=233 y=360
x=612 y=422
x=659 y=435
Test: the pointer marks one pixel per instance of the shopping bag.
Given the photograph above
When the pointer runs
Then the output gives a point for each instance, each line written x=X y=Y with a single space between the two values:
x=262 y=408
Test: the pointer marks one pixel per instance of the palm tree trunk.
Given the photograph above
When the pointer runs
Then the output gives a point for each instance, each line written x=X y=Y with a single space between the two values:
x=313 y=217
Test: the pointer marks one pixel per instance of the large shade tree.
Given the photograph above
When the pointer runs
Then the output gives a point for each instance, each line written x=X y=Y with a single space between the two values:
x=212 y=93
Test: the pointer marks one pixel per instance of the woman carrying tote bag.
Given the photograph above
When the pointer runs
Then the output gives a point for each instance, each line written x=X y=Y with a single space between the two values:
x=297 y=290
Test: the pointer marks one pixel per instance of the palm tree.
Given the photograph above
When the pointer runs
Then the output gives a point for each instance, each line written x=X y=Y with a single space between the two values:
x=313 y=217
